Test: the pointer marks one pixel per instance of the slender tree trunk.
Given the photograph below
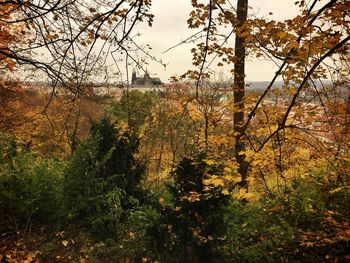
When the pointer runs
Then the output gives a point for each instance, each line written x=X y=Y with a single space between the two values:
x=74 y=137
x=206 y=128
x=238 y=91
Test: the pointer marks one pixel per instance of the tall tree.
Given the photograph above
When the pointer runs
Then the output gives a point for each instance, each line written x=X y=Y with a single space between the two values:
x=304 y=48
x=239 y=89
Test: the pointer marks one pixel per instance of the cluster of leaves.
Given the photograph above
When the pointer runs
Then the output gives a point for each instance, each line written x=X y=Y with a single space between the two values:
x=9 y=35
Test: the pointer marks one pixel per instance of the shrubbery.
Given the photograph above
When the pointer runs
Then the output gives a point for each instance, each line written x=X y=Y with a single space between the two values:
x=30 y=188
x=98 y=193
x=102 y=180
x=301 y=224
x=191 y=227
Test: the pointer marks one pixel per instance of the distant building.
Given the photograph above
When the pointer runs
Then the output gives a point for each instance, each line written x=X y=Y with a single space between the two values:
x=145 y=81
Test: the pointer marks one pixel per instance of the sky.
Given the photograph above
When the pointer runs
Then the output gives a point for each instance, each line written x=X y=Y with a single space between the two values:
x=170 y=28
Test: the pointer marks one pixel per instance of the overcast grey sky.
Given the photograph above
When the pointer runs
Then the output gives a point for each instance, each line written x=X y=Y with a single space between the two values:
x=170 y=28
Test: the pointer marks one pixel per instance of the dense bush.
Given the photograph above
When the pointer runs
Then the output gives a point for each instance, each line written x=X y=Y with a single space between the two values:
x=135 y=243
x=191 y=228
x=30 y=188
x=102 y=180
x=307 y=222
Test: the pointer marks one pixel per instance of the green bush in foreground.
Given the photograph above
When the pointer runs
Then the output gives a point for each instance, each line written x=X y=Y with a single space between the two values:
x=30 y=188
x=191 y=227
x=102 y=181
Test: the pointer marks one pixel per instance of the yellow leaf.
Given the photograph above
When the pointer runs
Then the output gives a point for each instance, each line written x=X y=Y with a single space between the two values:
x=178 y=208
x=335 y=190
x=209 y=162
x=29 y=259
x=193 y=197
x=218 y=182
x=242 y=194
x=294 y=44
x=225 y=192
x=281 y=34
x=227 y=170
x=65 y=243
x=161 y=200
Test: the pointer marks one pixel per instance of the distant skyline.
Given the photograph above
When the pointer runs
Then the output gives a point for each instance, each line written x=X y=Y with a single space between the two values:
x=170 y=28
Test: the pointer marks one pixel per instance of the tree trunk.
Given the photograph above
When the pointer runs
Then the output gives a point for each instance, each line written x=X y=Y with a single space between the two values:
x=238 y=91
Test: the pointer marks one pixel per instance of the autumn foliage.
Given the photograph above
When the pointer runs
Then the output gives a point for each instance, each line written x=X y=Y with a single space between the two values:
x=8 y=36
x=199 y=170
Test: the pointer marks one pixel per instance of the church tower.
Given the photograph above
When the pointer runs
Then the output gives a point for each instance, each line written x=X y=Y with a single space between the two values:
x=133 y=78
